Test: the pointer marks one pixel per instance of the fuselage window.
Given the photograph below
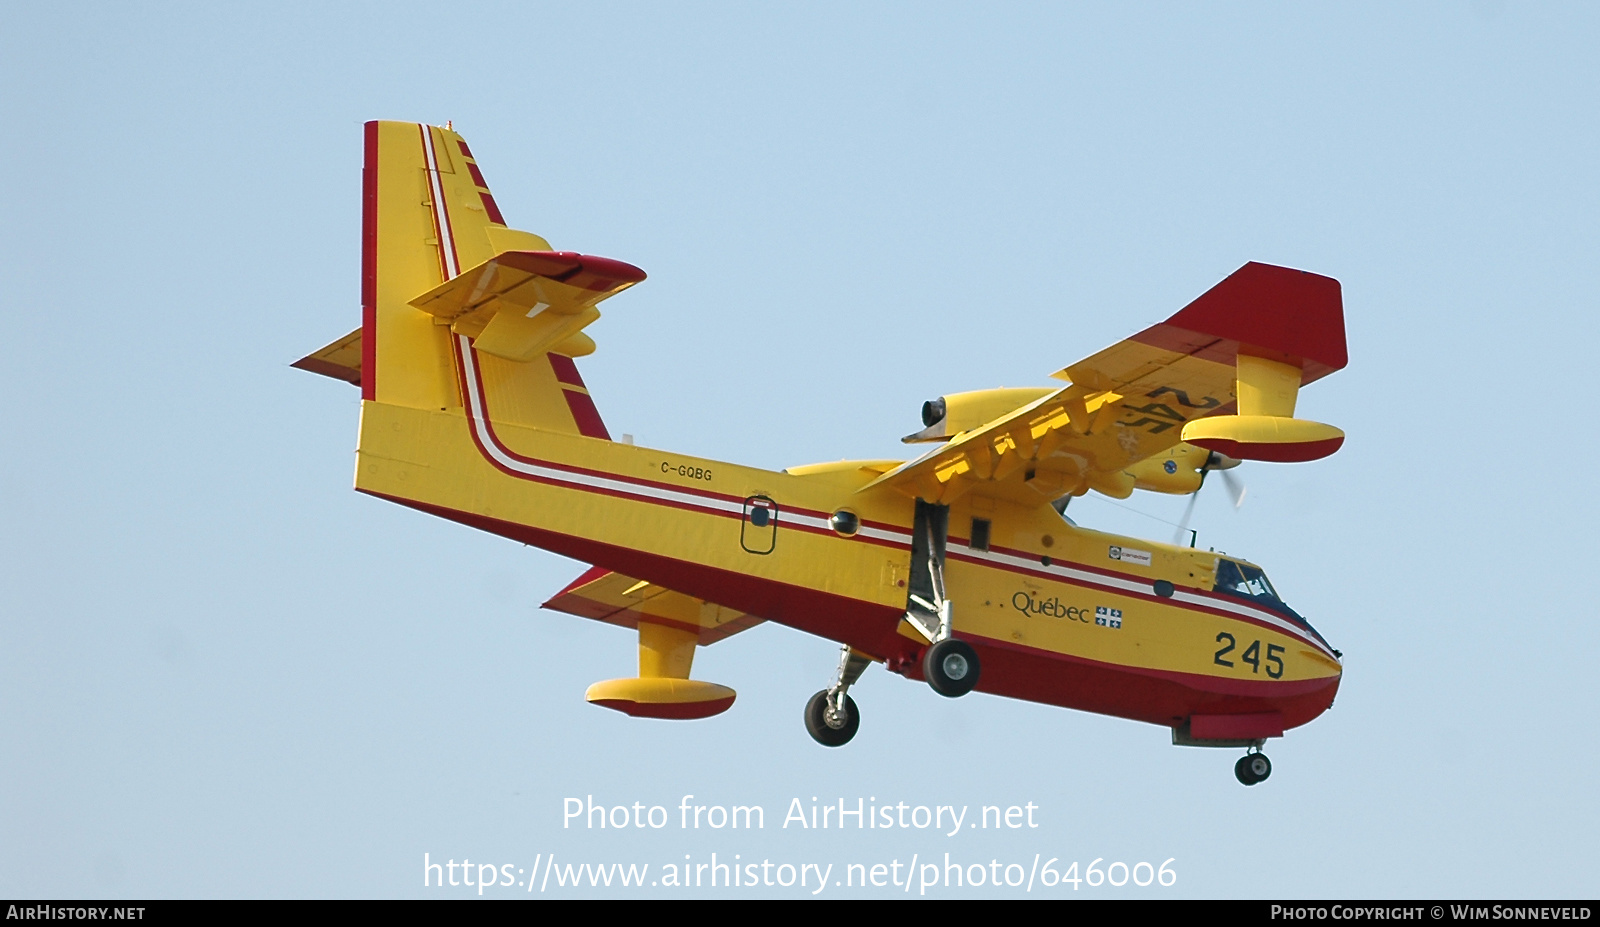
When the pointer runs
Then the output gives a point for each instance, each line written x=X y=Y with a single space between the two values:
x=980 y=534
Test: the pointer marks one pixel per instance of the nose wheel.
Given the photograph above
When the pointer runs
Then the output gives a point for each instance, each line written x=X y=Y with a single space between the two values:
x=828 y=726
x=831 y=715
x=1252 y=768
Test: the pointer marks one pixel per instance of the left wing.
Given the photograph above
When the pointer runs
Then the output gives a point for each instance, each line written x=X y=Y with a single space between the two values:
x=1239 y=353
x=622 y=600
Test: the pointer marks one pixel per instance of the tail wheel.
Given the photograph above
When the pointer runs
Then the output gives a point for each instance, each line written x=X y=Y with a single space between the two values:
x=1252 y=768
x=951 y=667
x=831 y=731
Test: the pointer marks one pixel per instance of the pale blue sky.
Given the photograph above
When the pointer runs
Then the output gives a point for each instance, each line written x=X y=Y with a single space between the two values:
x=224 y=673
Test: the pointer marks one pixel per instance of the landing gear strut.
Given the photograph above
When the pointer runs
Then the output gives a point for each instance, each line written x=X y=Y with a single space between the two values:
x=1253 y=767
x=831 y=715
x=949 y=665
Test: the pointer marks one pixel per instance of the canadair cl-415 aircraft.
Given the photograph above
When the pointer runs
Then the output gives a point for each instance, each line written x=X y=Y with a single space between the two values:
x=957 y=568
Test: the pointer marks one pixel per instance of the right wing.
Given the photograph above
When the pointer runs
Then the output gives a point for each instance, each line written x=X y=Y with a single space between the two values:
x=1132 y=400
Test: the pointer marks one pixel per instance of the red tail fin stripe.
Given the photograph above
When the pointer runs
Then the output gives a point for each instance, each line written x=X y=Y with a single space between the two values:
x=586 y=415
x=566 y=370
x=369 y=262
x=491 y=208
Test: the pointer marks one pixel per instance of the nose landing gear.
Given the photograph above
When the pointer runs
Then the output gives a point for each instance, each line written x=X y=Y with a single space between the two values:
x=1252 y=768
x=829 y=726
x=831 y=715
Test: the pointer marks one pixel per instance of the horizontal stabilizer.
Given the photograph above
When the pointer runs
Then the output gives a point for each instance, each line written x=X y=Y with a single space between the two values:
x=622 y=600
x=340 y=360
x=520 y=304
x=528 y=278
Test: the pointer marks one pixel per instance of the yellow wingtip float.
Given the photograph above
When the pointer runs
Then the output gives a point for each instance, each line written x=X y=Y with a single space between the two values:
x=958 y=567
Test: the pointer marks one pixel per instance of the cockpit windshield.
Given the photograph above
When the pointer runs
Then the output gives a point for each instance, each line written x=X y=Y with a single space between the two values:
x=1246 y=581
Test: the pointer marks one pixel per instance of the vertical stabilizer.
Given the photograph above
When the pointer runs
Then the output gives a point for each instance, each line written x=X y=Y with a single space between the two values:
x=428 y=217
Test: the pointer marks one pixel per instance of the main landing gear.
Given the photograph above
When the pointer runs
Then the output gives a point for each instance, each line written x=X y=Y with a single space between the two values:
x=831 y=715
x=949 y=665
x=1253 y=767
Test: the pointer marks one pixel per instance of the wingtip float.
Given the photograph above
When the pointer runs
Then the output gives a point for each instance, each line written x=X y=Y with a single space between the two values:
x=956 y=568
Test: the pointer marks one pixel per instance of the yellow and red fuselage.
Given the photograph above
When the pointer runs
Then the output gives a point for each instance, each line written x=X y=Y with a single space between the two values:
x=1058 y=614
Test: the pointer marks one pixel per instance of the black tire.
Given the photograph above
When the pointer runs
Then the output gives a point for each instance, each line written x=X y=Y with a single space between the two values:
x=1252 y=768
x=817 y=724
x=951 y=668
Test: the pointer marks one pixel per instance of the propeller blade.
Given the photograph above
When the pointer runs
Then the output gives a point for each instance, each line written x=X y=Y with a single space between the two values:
x=1236 y=487
x=1183 y=526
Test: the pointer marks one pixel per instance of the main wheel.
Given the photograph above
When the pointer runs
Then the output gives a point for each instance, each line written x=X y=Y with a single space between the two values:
x=1252 y=768
x=839 y=732
x=951 y=667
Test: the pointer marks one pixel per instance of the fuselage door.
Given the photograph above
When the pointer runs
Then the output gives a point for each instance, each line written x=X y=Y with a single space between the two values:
x=758 y=533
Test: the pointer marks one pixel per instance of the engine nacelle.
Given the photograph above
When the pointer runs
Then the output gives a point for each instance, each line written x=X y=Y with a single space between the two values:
x=1179 y=471
x=950 y=415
